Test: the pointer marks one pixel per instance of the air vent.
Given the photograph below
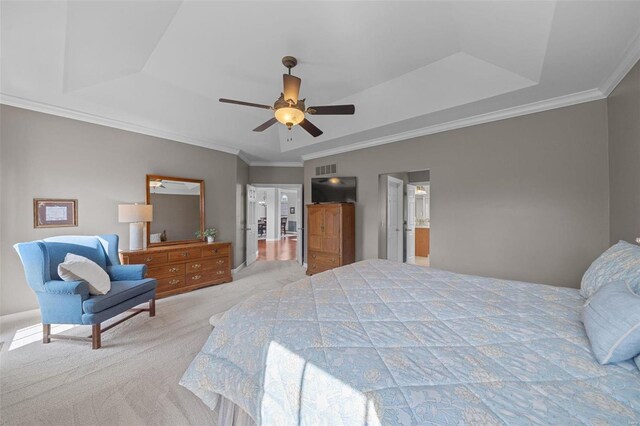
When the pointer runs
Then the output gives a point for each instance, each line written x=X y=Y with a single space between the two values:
x=326 y=170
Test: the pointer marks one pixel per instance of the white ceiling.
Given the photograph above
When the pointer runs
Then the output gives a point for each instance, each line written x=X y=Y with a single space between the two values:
x=410 y=68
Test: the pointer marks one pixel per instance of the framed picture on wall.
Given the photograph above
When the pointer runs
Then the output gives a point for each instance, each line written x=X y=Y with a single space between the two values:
x=54 y=213
x=292 y=210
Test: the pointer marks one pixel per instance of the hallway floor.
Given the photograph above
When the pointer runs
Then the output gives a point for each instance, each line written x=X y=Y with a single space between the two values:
x=283 y=249
x=422 y=261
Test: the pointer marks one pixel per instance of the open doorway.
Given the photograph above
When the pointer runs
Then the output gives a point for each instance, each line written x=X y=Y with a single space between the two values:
x=274 y=223
x=422 y=223
x=404 y=230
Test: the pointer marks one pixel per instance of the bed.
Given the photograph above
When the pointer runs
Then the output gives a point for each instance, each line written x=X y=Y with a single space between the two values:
x=378 y=342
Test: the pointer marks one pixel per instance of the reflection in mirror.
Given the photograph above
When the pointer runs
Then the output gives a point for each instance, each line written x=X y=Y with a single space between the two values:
x=177 y=206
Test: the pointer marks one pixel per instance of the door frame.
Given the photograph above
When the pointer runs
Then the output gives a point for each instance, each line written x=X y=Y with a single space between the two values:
x=410 y=240
x=299 y=203
x=398 y=226
x=251 y=227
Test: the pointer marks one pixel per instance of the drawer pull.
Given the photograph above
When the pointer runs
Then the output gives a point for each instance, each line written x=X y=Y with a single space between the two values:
x=185 y=254
x=220 y=273
x=149 y=258
x=214 y=251
x=220 y=262
x=314 y=256
x=333 y=259
x=174 y=269
x=196 y=277
x=174 y=282
x=196 y=266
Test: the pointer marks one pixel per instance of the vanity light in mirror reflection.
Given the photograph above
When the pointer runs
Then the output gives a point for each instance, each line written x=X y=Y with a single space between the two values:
x=178 y=205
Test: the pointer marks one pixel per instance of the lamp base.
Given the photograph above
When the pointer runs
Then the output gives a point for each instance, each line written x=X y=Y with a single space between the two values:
x=135 y=236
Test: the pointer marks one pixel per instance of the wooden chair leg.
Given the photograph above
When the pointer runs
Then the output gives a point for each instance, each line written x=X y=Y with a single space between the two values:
x=46 y=332
x=152 y=307
x=95 y=336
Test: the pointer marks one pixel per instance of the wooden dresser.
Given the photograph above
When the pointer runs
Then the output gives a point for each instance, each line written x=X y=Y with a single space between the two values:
x=184 y=267
x=331 y=238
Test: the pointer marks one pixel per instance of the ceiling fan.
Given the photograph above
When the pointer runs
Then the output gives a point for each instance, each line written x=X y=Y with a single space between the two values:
x=289 y=110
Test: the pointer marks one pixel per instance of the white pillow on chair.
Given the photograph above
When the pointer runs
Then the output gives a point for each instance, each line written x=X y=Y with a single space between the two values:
x=79 y=268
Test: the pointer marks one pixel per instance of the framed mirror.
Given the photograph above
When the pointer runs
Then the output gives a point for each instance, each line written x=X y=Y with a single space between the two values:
x=178 y=209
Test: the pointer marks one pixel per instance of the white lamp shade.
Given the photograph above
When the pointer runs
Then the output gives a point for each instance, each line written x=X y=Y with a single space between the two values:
x=130 y=213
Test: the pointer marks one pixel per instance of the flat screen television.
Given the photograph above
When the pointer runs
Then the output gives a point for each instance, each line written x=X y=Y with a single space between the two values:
x=333 y=190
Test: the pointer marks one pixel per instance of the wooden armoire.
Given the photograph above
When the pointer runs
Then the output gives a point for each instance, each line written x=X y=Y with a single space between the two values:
x=331 y=237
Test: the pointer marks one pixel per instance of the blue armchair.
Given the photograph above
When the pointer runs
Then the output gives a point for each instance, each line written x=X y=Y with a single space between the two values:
x=69 y=302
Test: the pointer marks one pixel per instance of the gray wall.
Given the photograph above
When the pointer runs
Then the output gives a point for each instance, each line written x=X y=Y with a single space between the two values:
x=276 y=175
x=624 y=157
x=179 y=215
x=524 y=198
x=48 y=156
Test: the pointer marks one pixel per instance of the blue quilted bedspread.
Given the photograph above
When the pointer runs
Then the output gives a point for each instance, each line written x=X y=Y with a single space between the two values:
x=378 y=342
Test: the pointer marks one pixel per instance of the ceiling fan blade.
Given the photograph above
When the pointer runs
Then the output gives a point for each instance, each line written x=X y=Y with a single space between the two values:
x=249 y=104
x=332 y=110
x=291 y=87
x=310 y=127
x=264 y=126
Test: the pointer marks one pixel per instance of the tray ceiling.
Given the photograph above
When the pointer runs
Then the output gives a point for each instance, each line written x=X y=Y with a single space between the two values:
x=410 y=68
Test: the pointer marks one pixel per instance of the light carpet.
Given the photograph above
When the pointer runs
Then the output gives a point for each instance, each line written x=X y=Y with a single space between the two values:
x=133 y=379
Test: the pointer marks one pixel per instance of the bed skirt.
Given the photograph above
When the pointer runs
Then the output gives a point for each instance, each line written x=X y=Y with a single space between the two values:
x=230 y=414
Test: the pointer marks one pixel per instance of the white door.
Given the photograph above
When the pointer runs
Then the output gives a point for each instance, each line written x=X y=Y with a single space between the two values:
x=299 y=226
x=394 y=219
x=411 y=224
x=252 y=226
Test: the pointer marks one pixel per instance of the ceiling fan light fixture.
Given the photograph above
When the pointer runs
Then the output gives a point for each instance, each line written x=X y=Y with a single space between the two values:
x=289 y=116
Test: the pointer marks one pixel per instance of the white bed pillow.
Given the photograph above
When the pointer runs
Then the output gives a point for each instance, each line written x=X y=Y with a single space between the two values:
x=79 y=268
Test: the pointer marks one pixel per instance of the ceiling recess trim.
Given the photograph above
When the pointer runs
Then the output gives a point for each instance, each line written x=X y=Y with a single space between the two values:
x=553 y=103
x=276 y=164
x=19 y=102
x=631 y=56
x=244 y=158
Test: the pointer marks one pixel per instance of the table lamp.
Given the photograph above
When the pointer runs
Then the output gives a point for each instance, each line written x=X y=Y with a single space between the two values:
x=135 y=215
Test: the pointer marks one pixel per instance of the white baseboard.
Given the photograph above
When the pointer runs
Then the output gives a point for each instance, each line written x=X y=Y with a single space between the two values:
x=239 y=268
x=19 y=315
x=304 y=265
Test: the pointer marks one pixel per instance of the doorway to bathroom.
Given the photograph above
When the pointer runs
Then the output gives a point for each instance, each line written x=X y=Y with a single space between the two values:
x=405 y=226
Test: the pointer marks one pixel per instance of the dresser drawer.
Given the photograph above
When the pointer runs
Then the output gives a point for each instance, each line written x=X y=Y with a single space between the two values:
x=208 y=264
x=216 y=251
x=195 y=278
x=148 y=259
x=171 y=283
x=165 y=271
x=326 y=258
x=184 y=255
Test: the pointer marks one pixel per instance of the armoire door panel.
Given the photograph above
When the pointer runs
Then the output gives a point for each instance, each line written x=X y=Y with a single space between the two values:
x=331 y=236
x=316 y=225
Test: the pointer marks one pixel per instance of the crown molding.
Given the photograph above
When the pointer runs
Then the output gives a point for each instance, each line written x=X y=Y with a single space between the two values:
x=276 y=164
x=553 y=103
x=244 y=157
x=629 y=59
x=19 y=102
